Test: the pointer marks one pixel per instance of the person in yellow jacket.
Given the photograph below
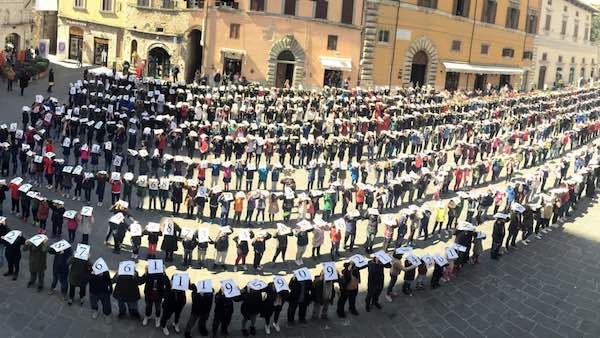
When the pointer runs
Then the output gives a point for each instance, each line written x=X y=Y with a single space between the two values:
x=440 y=213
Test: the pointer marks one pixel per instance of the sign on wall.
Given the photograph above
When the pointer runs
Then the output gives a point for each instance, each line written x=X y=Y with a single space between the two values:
x=46 y=5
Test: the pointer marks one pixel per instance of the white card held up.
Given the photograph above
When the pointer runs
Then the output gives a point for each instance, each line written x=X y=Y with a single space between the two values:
x=451 y=253
x=256 y=284
x=169 y=228
x=99 y=266
x=204 y=286
x=180 y=281
x=283 y=229
x=460 y=248
x=359 y=260
x=302 y=274
x=61 y=245
x=16 y=181
x=428 y=260
x=244 y=235
x=329 y=271
x=440 y=260
x=481 y=235
x=187 y=233
x=135 y=229
x=70 y=214
x=155 y=266
x=82 y=252
x=38 y=239
x=383 y=257
x=340 y=223
x=280 y=284
x=230 y=289
x=12 y=236
x=414 y=260
x=25 y=188
x=126 y=268
x=117 y=218
x=87 y=211
x=202 y=235
x=404 y=250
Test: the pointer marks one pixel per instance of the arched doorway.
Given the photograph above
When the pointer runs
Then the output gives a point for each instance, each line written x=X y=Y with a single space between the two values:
x=419 y=68
x=285 y=68
x=133 y=54
x=13 y=41
x=194 y=55
x=541 y=78
x=159 y=63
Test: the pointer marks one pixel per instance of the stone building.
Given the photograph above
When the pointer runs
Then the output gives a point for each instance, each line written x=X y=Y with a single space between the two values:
x=16 y=24
x=305 y=42
x=563 y=52
x=453 y=44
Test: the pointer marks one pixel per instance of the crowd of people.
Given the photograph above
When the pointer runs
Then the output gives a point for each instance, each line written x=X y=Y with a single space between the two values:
x=374 y=162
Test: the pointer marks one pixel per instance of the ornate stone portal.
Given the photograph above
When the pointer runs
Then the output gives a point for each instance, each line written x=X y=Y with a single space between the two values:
x=421 y=44
x=287 y=43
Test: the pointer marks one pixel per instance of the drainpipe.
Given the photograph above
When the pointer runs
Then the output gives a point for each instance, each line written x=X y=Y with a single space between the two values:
x=394 y=48
x=471 y=43
x=204 y=34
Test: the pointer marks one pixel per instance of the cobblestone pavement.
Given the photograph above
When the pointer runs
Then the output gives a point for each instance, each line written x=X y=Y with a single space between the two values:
x=549 y=288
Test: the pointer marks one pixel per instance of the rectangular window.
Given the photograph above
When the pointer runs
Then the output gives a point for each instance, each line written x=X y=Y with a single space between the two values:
x=531 y=25
x=289 y=7
x=461 y=8
x=168 y=4
x=527 y=55
x=257 y=5
x=563 y=29
x=383 y=36
x=586 y=34
x=455 y=45
x=485 y=49
x=576 y=30
x=321 y=9
x=572 y=59
x=508 y=52
x=489 y=11
x=195 y=3
x=512 y=18
x=548 y=22
x=347 y=11
x=332 y=42
x=234 y=31
x=427 y=3
x=106 y=6
x=544 y=56
x=79 y=4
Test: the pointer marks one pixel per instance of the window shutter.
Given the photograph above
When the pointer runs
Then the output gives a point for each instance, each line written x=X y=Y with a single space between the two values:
x=467 y=9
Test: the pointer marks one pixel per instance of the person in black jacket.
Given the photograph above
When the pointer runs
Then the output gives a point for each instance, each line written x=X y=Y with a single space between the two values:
x=271 y=306
x=13 y=256
x=259 y=249
x=513 y=229
x=251 y=301
x=282 y=242
x=223 y=313
x=173 y=304
x=221 y=246
x=201 y=306
x=348 y=289
x=155 y=286
x=170 y=240
x=497 y=238
x=300 y=297
x=127 y=293
x=322 y=296
x=100 y=290
x=374 y=283
x=58 y=209
x=60 y=270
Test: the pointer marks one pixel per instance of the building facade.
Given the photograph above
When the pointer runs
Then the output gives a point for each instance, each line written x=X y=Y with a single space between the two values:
x=298 y=42
x=563 y=52
x=17 y=28
x=451 y=44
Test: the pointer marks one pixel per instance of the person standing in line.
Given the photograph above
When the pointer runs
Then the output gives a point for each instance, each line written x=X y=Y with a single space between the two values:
x=79 y=276
x=37 y=262
x=374 y=283
x=172 y=305
x=100 y=290
x=127 y=293
x=300 y=297
x=155 y=286
x=349 y=283
x=201 y=306
x=50 y=80
x=60 y=270
x=13 y=256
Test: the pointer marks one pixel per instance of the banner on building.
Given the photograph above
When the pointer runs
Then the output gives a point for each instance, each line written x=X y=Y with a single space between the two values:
x=46 y=5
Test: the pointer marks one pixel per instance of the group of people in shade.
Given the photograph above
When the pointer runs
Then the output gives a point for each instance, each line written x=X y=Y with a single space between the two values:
x=136 y=130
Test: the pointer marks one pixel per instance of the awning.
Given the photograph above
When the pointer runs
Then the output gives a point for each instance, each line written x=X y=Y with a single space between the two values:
x=235 y=54
x=336 y=63
x=481 y=69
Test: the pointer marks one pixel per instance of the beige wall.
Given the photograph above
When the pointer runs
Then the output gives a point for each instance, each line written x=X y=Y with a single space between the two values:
x=13 y=19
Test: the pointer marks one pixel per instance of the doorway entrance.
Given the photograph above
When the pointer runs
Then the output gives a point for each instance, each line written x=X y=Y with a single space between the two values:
x=480 y=80
x=100 y=52
x=194 y=56
x=285 y=69
x=542 y=78
x=505 y=80
x=12 y=42
x=75 y=42
x=419 y=69
x=159 y=63
x=332 y=78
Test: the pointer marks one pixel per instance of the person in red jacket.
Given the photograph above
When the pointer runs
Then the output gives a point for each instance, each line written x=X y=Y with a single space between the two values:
x=115 y=189
x=49 y=170
x=14 y=196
